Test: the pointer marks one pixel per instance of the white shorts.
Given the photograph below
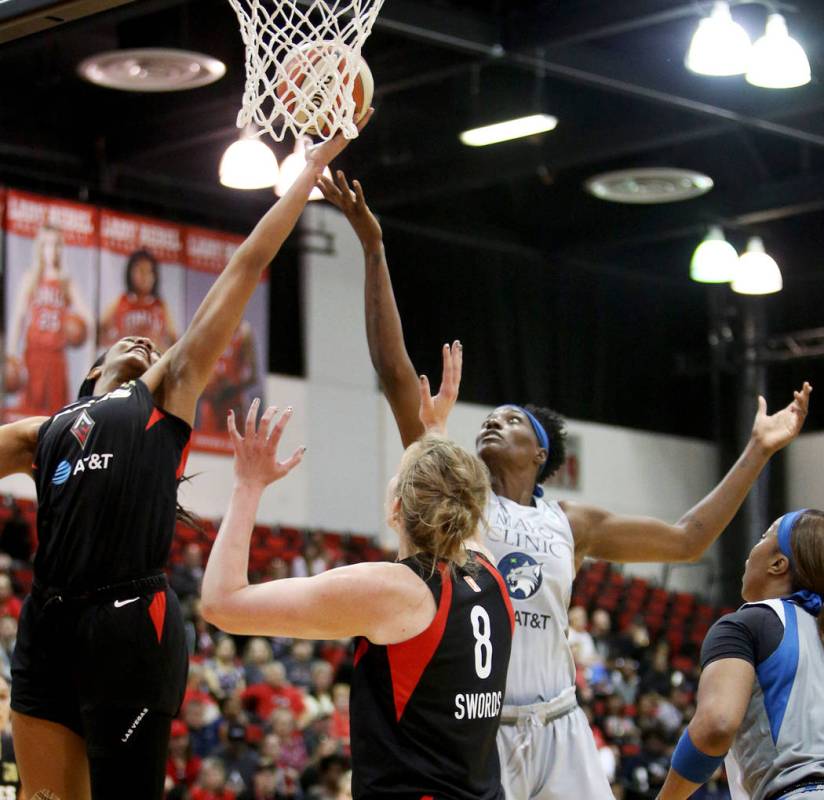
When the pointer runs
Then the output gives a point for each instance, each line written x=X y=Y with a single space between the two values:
x=553 y=761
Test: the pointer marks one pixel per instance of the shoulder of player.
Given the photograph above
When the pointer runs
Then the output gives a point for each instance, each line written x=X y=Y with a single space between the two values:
x=394 y=602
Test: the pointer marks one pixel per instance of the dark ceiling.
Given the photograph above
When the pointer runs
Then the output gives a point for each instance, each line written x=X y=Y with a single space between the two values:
x=612 y=72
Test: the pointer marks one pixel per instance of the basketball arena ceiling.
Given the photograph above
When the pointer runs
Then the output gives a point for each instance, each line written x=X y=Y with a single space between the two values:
x=612 y=72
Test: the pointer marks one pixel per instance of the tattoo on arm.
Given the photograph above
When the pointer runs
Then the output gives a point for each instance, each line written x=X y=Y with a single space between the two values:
x=692 y=522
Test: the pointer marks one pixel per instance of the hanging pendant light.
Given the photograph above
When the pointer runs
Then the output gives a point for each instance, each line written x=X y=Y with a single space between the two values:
x=291 y=168
x=248 y=164
x=720 y=46
x=715 y=260
x=757 y=272
x=778 y=61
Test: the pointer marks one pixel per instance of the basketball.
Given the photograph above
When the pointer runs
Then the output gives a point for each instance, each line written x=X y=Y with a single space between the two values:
x=75 y=329
x=311 y=77
x=13 y=374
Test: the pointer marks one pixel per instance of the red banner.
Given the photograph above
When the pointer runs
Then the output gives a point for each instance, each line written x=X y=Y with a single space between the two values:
x=125 y=233
x=27 y=213
x=239 y=371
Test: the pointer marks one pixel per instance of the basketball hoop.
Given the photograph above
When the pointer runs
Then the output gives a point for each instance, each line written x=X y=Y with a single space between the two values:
x=303 y=64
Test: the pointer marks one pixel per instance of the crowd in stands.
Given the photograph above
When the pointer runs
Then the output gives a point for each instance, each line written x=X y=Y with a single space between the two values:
x=268 y=718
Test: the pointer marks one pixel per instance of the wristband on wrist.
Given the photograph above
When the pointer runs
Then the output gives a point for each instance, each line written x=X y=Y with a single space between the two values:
x=690 y=763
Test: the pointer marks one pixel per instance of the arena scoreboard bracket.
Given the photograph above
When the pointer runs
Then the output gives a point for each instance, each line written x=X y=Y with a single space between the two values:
x=20 y=18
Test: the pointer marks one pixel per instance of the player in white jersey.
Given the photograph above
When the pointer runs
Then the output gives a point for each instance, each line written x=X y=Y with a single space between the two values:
x=546 y=747
x=761 y=695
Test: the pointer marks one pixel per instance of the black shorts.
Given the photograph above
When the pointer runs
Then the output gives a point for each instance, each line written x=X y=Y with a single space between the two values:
x=85 y=663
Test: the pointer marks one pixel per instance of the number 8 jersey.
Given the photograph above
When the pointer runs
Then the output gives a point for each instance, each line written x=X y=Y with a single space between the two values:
x=425 y=712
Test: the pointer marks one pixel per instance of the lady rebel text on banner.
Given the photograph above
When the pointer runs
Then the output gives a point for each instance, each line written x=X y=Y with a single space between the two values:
x=239 y=373
x=142 y=279
x=51 y=276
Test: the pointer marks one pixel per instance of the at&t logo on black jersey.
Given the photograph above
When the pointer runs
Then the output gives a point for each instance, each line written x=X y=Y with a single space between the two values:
x=522 y=574
x=94 y=462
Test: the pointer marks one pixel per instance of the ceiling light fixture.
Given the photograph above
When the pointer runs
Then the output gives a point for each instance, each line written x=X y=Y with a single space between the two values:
x=778 y=61
x=291 y=168
x=720 y=46
x=757 y=273
x=151 y=69
x=248 y=164
x=511 y=129
x=715 y=260
x=649 y=185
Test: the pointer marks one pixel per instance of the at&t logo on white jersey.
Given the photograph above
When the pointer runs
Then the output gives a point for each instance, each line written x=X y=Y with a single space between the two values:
x=522 y=574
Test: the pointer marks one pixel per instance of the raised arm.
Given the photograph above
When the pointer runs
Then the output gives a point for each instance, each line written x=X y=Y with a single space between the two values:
x=183 y=372
x=369 y=599
x=723 y=695
x=614 y=537
x=384 y=331
x=18 y=441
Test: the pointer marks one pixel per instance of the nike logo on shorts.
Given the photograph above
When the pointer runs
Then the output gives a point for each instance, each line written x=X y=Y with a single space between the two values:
x=121 y=603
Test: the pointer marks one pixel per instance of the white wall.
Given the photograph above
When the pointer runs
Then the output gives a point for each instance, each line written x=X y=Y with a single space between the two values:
x=353 y=446
x=805 y=476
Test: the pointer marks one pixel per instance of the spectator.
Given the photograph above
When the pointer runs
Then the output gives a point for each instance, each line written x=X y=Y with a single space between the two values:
x=601 y=631
x=258 y=653
x=624 y=679
x=9 y=604
x=579 y=639
x=238 y=759
x=657 y=677
x=8 y=637
x=345 y=792
x=299 y=663
x=264 y=784
x=634 y=641
x=311 y=561
x=204 y=734
x=319 y=698
x=330 y=773
x=211 y=783
x=292 y=746
x=233 y=711
x=617 y=725
x=279 y=569
x=182 y=766
x=186 y=577
x=339 y=728
x=275 y=692
x=643 y=775
x=225 y=674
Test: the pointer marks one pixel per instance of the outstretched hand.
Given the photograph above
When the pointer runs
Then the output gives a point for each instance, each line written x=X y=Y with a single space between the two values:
x=435 y=410
x=256 y=461
x=320 y=155
x=774 y=431
x=353 y=204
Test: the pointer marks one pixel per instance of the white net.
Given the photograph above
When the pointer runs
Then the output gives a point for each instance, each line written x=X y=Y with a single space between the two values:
x=304 y=71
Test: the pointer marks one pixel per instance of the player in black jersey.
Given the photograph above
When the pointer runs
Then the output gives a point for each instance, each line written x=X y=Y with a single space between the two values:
x=100 y=663
x=434 y=629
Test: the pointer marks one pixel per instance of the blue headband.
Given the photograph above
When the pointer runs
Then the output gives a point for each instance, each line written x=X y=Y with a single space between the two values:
x=543 y=439
x=785 y=529
x=807 y=599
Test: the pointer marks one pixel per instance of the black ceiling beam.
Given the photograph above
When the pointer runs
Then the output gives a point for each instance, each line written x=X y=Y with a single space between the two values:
x=40 y=16
x=565 y=25
x=593 y=67
x=768 y=203
x=582 y=64
x=479 y=169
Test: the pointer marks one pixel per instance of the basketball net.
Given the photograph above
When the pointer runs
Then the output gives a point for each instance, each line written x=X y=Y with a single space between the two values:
x=302 y=57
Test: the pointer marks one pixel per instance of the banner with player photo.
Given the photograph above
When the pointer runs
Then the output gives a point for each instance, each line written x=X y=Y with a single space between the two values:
x=50 y=286
x=240 y=372
x=142 y=280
